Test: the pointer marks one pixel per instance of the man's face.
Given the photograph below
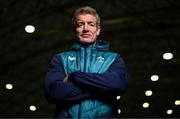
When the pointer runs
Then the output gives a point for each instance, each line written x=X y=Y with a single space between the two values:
x=86 y=28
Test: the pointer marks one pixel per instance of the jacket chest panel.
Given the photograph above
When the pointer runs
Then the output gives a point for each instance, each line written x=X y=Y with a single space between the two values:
x=90 y=63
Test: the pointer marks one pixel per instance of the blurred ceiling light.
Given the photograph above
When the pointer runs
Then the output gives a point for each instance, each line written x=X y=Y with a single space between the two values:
x=9 y=86
x=154 y=78
x=29 y=29
x=167 y=56
x=118 y=97
x=148 y=93
x=169 y=111
x=32 y=108
x=177 y=102
x=119 y=111
x=145 y=105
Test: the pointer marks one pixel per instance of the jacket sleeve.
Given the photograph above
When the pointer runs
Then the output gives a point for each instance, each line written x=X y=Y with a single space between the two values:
x=55 y=89
x=113 y=81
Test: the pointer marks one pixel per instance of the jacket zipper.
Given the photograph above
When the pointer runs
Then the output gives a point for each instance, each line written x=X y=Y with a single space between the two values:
x=85 y=57
x=84 y=70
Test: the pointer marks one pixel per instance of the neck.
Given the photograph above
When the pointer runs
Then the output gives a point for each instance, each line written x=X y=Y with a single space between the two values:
x=83 y=44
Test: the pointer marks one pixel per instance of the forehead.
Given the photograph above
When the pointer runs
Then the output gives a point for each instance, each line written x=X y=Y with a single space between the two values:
x=86 y=18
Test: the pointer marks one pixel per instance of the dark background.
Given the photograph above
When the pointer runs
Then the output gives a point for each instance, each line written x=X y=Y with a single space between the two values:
x=140 y=30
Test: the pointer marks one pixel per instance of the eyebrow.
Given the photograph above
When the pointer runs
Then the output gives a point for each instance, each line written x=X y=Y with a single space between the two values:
x=79 y=21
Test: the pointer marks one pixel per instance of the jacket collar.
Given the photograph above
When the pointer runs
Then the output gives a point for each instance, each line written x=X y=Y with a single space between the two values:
x=98 y=45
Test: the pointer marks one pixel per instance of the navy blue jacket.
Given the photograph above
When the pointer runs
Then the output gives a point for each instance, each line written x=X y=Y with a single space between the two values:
x=102 y=83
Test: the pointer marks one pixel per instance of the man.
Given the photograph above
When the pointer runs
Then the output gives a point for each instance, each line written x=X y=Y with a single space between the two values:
x=85 y=81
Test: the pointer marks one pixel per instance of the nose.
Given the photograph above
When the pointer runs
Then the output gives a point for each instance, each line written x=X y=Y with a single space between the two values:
x=86 y=28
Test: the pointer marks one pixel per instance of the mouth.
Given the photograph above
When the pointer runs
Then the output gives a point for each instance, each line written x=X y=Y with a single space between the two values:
x=85 y=35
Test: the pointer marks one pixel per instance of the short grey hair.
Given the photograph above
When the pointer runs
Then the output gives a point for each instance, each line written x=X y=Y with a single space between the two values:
x=86 y=10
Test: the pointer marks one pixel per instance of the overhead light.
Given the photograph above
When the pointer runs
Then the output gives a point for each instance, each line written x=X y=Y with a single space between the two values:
x=154 y=78
x=148 y=93
x=177 y=102
x=118 y=97
x=29 y=28
x=32 y=108
x=9 y=86
x=145 y=105
x=170 y=111
x=167 y=56
x=119 y=111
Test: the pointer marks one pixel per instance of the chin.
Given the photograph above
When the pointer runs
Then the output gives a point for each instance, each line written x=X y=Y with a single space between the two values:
x=87 y=41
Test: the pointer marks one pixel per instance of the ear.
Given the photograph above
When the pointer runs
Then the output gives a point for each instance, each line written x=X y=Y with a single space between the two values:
x=98 y=30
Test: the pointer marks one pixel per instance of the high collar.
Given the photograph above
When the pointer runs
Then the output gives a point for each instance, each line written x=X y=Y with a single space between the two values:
x=98 y=45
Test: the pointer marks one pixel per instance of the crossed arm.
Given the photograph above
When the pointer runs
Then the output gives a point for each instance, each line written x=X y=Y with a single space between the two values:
x=79 y=85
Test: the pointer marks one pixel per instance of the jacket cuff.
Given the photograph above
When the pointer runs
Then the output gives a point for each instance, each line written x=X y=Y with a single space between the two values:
x=71 y=76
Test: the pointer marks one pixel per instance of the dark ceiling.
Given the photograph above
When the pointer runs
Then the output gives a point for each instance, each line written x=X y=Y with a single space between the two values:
x=140 y=30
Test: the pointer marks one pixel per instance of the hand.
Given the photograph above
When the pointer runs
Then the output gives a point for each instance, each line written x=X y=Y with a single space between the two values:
x=66 y=79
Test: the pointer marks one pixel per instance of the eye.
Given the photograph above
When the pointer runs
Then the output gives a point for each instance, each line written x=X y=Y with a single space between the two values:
x=80 y=24
x=92 y=24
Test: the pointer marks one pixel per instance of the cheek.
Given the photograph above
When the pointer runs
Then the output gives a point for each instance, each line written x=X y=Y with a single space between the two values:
x=78 y=31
